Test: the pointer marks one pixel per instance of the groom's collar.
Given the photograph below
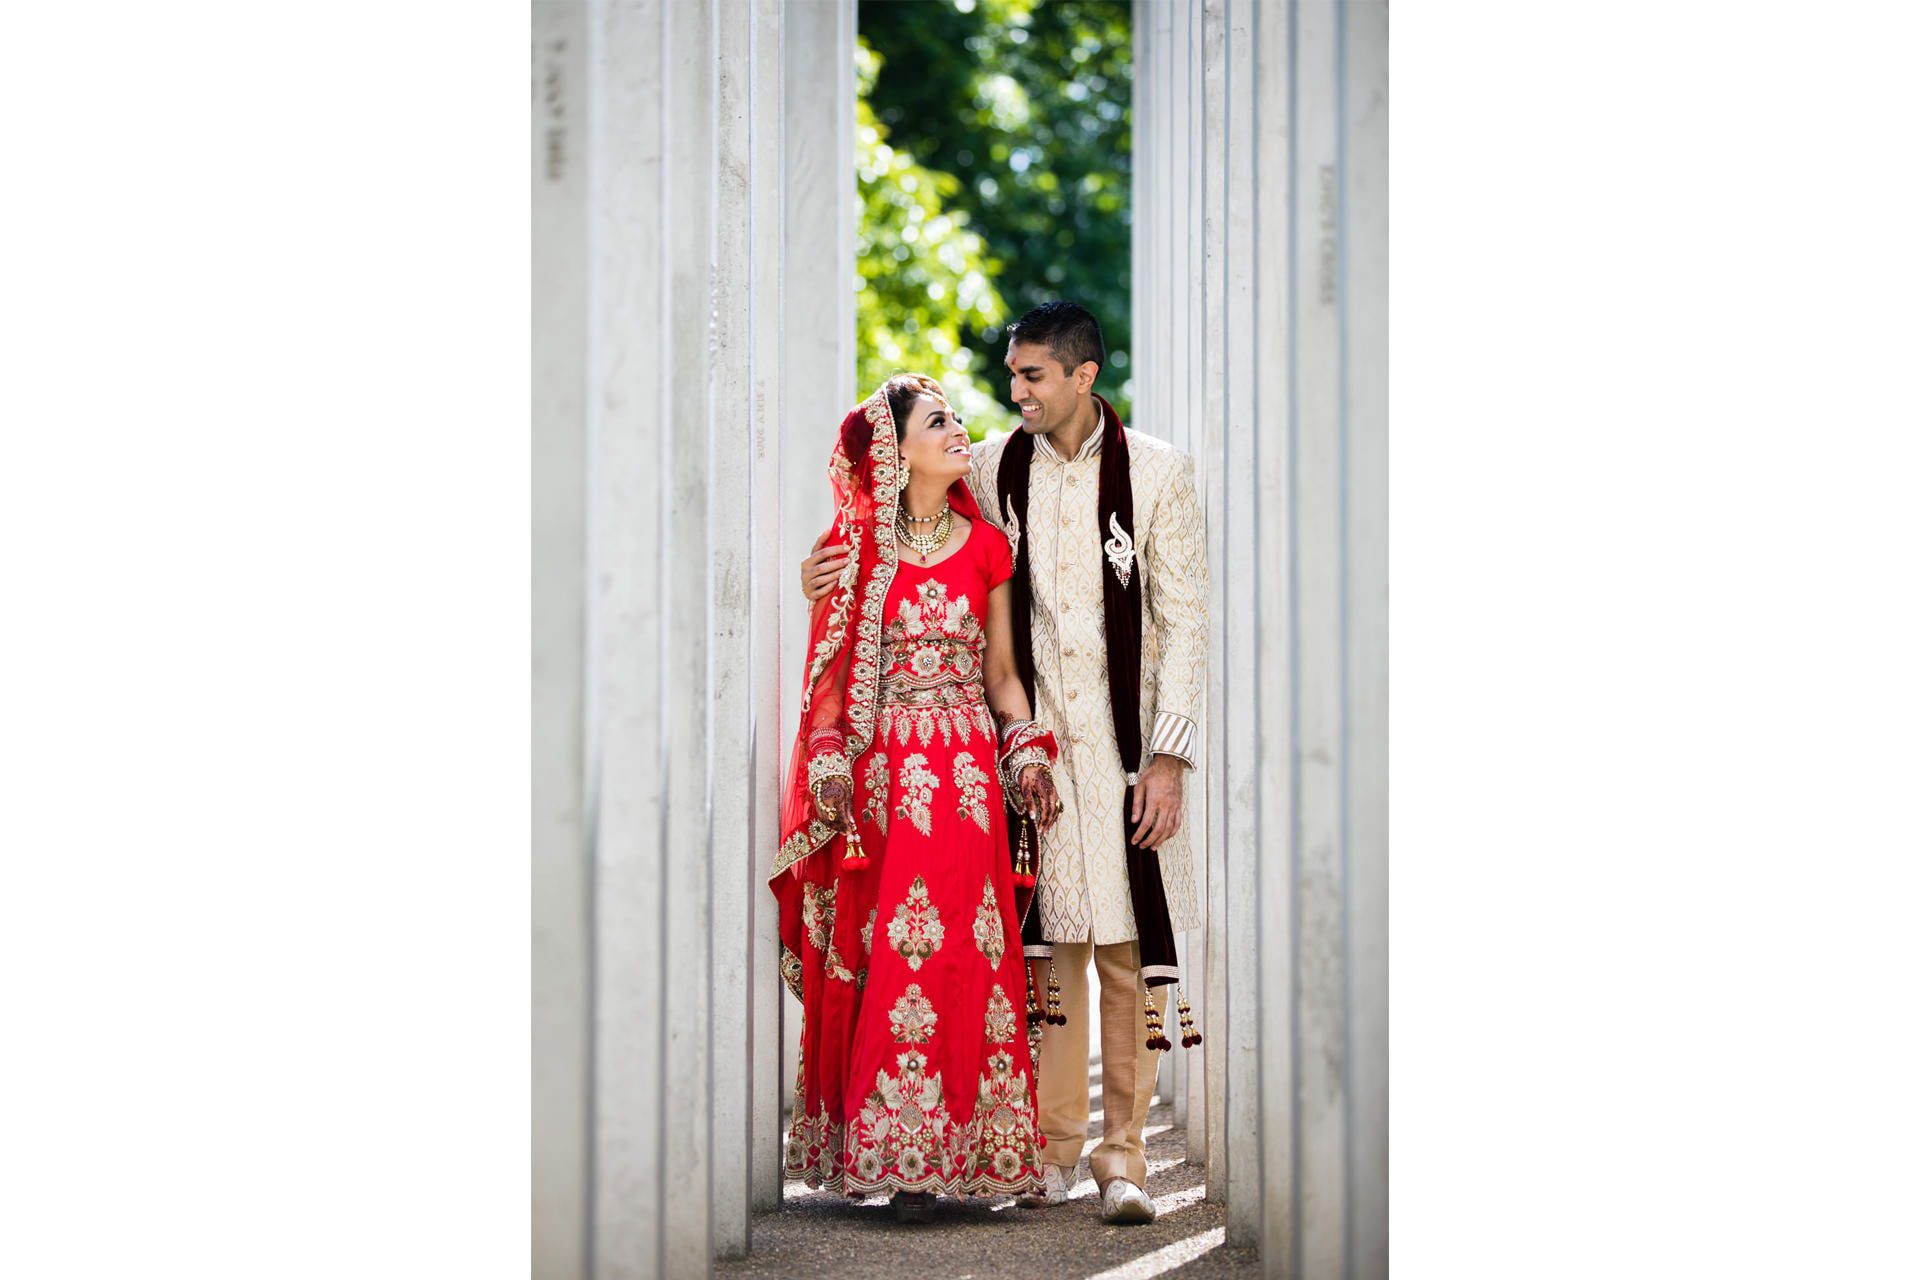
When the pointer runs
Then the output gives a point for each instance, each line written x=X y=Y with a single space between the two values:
x=1087 y=450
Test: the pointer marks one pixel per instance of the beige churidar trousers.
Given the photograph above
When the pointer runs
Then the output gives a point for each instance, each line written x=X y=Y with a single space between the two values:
x=1127 y=1066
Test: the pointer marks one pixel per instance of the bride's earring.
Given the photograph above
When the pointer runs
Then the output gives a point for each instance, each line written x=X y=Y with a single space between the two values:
x=906 y=470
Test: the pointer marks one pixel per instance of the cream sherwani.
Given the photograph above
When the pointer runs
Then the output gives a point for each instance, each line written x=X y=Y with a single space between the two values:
x=1086 y=909
x=1083 y=890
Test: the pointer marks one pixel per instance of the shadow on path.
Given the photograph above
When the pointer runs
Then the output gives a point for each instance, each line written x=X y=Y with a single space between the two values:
x=818 y=1234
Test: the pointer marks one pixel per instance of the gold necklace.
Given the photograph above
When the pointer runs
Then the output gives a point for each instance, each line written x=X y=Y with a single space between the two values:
x=927 y=544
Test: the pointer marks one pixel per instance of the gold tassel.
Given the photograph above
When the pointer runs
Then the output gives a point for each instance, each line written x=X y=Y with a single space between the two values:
x=1156 y=1029
x=856 y=853
x=1189 y=1037
x=1055 y=1018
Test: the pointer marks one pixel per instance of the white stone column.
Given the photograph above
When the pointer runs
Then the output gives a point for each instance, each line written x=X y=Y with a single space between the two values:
x=1279 y=132
x=561 y=870
x=663 y=385
x=817 y=356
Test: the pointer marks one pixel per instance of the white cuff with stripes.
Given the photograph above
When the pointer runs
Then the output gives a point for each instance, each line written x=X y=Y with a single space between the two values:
x=1172 y=736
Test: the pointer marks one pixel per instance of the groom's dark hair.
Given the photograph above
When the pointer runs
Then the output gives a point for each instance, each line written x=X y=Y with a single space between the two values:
x=1069 y=330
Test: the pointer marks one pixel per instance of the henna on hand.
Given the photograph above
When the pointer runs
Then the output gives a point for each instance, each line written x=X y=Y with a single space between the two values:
x=833 y=802
x=1038 y=796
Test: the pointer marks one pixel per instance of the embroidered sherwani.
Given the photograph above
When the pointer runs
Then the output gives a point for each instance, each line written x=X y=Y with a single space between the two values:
x=1083 y=893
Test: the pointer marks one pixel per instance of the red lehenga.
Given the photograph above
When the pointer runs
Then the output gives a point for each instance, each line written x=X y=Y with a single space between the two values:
x=915 y=1073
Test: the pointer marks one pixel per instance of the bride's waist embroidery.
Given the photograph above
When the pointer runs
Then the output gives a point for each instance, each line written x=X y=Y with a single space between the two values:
x=905 y=689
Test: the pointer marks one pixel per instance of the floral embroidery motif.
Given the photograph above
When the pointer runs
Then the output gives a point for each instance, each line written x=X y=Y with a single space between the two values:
x=917 y=785
x=915 y=931
x=836 y=632
x=837 y=968
x=913 y=1016
x=866 y=930
x=988 y=933
x=1001 y=1135
x=1001 y=1024
x=1013 y=539
x=972 y=784
x=875 y=810
x=903 y=1125
x=934 y=647
x=816 y=913
x=811 y=1147
x=1119 y=549
x=905 y=722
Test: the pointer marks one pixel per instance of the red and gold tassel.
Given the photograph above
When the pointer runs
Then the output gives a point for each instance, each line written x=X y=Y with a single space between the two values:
x=856 y=858
x=1055 y=1018
x=1023 y=858
x=1156 y=1030
x=1034 y=1016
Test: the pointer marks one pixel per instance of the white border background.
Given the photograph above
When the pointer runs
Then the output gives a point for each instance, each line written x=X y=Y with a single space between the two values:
x=263 y=688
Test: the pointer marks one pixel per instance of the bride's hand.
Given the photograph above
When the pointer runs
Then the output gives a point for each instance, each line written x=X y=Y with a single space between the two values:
x=833 y=803
x=1038 y=799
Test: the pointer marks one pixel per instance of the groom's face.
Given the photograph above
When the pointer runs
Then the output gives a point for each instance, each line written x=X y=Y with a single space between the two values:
x=1042 y=389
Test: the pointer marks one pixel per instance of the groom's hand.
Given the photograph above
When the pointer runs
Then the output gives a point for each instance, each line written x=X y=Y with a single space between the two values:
x=819 y=571
x=1157 y=799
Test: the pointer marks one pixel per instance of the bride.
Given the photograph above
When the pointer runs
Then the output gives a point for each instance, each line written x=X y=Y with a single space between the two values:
x=900 y=906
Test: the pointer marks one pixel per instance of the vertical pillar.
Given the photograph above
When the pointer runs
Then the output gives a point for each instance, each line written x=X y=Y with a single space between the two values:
x=769 y=575
x=661 y=241
x=731 y=444
x=1287 y=160
x=630 y=494
x=560 y=880
x=1362 y=296
x=817 y=357
x=1168 y=300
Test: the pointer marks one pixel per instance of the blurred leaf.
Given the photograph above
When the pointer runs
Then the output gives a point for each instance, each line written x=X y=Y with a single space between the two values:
x=1024 y=110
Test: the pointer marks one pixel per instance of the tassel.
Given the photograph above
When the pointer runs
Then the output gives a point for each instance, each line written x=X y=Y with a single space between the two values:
x=1033 y=1001
x=1156 y=1030
x=1055 y=1018
x=856 y=858
x=1189 y=1037
x=1023 y=859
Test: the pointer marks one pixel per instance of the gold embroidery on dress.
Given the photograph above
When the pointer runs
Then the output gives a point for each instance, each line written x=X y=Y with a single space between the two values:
x=903 y=1124
x=972 y=784
x=916 y=931
x=989 y=934
x=875 y=810
x=1001 y=1024
x=816 y=913
x=934 y=645
x=1001 y=1134
x=917 y=785
x=913 y=1017
x=791 y=972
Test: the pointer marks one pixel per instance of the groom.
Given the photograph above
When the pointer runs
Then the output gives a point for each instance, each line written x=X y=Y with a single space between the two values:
x=1090 y=506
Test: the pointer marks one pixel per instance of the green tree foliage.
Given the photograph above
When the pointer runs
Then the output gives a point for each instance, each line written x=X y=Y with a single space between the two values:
x=1028 y=104
x=924 y=275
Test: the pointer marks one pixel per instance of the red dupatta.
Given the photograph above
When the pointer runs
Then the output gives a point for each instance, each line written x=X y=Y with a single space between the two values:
x=844 y=661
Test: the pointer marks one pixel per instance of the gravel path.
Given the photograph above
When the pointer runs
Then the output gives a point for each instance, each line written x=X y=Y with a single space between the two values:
x=818 y=1234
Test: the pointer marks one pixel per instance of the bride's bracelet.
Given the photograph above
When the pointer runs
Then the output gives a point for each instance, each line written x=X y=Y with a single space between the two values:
x=1026 y=743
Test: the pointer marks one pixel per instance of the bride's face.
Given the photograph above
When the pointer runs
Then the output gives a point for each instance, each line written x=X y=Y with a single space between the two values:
x=935 y=444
